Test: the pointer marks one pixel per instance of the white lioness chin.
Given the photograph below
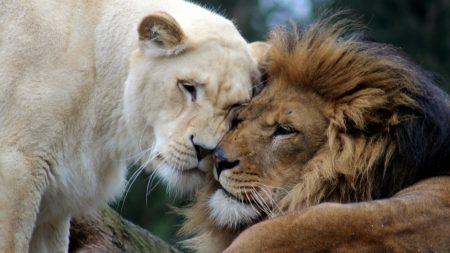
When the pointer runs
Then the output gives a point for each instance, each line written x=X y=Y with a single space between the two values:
x=82 y=94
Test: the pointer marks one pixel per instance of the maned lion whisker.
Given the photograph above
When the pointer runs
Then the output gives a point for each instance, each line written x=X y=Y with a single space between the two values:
x=264 y=190
x=273 y=202
x=260 y=200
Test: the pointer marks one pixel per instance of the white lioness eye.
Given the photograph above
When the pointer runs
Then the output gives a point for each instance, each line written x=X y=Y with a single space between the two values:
x=284 y=130
x=234 y=106
x=189 y=88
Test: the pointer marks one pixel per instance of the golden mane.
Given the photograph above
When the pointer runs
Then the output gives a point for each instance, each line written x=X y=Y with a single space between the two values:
x=388 y=123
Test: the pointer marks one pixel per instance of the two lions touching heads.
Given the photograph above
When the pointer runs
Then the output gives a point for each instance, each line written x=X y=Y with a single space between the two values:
x=340 y=120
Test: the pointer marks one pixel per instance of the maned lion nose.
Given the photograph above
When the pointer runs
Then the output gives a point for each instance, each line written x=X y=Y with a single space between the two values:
x=221 y=162
x=200 y=151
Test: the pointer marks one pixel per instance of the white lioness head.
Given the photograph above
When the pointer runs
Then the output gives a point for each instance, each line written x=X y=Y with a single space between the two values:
x=199 y=71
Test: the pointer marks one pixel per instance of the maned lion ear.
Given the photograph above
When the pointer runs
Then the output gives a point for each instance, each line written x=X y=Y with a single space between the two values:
x=258 y=51
x=160 y=34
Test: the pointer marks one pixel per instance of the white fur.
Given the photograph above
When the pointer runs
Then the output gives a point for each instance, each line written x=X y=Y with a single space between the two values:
x=188 y=180
x=69 y=126
x=228 y=212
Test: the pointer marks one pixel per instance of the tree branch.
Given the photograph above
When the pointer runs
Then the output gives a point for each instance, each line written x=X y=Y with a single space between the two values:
x=107 y=232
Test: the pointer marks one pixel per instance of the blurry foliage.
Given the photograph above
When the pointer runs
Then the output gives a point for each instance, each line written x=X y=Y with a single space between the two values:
x=421 y=28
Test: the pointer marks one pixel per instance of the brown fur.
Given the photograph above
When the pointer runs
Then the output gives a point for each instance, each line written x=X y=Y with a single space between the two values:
x=416 y=219
x=363 y=123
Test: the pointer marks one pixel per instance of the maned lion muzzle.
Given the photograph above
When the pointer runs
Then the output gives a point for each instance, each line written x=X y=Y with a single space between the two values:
x=222 y=163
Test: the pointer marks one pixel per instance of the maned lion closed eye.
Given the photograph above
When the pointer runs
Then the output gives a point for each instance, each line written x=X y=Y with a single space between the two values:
x=340 y=120
x=82 y=94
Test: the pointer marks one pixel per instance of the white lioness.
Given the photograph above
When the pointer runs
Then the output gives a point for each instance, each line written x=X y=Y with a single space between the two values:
x=82 y=94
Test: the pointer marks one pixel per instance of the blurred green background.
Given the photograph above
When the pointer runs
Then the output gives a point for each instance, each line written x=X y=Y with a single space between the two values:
x=421 y=28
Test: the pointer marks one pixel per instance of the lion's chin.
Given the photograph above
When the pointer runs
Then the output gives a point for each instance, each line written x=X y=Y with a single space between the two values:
x=182 y=182
x=228 y=212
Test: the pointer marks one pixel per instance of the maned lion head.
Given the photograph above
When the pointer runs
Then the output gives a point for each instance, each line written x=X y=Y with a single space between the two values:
x=181 y=86
x=266 y=152
x=340 y=119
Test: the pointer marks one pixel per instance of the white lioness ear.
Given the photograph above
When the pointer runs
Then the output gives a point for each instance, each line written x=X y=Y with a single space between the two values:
x=160 y=34
x=258 y=50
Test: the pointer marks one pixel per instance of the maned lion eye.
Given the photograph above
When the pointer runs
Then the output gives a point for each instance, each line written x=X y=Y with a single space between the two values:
x=189 y=88
x=284 y=130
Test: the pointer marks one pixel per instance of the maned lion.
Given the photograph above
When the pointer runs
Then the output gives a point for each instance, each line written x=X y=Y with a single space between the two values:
x=82 y=94
x=340 y=120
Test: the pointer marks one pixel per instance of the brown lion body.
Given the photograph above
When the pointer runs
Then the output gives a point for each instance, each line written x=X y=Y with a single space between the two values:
x=341 y=120
x=416 y=219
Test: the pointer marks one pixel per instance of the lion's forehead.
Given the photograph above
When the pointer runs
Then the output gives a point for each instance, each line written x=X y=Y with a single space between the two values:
x=232 y=91
x=231 y=87
x=279 y=102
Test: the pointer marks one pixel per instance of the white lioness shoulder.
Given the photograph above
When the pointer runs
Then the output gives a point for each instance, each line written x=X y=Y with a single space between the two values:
x=82 y=93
